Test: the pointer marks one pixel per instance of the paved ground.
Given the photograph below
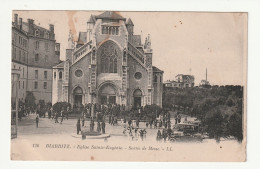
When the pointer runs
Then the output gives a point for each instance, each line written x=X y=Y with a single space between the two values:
x=50 y=133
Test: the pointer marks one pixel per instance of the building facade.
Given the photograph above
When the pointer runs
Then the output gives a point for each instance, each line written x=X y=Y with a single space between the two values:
x=108 y=64
x=181 y=81
x=34 y=52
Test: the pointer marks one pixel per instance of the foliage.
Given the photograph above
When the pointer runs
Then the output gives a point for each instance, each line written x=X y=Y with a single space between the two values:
x=220 y=108
x=29 y=99
x=57 y=107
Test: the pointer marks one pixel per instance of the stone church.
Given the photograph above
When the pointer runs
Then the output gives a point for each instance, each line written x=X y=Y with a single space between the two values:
x=108 y=64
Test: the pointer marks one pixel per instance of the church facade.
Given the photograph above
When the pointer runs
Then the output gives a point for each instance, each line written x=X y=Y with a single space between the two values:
x=108 y=64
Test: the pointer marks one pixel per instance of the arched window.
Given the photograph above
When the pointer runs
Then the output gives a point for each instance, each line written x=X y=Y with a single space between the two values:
x=109 y=52
x=60 y=75
x=115 y=65
x=37 y=32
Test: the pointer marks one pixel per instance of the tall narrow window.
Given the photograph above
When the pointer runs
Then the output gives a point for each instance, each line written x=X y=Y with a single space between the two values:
x=54 y=75
x=35 y=85
x=19 y=84
x=45 y=74
x=20 y=55
x=36 y=74
x=37 y=32
x=60 y=75
x=103 y=70
x=155 y=78
x=15 y=53
x=111 y=67
x=44 y=85
x=115 y=65
x=24 y=56
x=23 y=84
x=107 y=65
x=36 y=58
x=23 y=72
x=46 y=58
x=37 y=44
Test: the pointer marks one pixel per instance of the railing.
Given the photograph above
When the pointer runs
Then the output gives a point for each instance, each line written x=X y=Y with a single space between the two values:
x=82 y=50
x=135 y=52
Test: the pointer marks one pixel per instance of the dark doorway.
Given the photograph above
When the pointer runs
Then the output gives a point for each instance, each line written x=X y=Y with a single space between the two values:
x=112 y=99
x=103 y=99
x=78 y=99
x=78 y=93
x=107 y=94
x=137 y=101
x=137 y=98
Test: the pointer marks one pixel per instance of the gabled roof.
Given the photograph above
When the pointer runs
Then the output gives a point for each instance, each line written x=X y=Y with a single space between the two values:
x=91 y=19
x=110 y=15
x=129 y=22
x=155 y=69
x=82 y=38
x=60 y=65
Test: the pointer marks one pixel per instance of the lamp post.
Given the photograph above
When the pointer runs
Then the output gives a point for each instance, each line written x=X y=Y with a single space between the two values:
x=15 y=78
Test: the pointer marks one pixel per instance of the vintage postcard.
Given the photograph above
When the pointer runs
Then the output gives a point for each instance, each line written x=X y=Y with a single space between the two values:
x=128 y=86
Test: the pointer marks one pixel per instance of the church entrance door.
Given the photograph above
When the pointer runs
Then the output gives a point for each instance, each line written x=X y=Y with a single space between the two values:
x=137 y=98
x=78 y=93
x=107 y=94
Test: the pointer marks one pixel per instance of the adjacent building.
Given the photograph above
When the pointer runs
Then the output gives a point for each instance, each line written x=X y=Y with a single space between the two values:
x=108 y=64
x=181 y=81
x=34 y=52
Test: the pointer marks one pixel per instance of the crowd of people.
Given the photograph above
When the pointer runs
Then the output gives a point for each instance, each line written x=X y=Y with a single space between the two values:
x=113 y=114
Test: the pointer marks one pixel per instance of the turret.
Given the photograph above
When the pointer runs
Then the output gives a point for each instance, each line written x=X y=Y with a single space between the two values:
x=147 y=44
x=130 y=26
x=70 y=49
x=90 y=26
x=71 y=42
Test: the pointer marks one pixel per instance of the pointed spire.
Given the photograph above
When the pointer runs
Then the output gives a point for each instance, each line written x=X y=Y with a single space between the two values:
x=91 y=19
x=129 y=22
x=71 y=40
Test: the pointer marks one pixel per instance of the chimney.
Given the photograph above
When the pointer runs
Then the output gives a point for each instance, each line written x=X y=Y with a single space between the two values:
x=51 y=27
x=21 y=23
x=31 y=26
x=15 y=20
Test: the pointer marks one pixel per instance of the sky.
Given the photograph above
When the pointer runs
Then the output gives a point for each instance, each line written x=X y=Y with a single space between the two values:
x=182 y=42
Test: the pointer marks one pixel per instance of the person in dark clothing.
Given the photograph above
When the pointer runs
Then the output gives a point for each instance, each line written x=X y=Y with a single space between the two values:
x=137 y=123
x=129 y=122
x=103 y=125
x=92 y=124
x=151 y=123
x=56 y=117
x=98 y=127
x=78 y=126
x=37 y=121
x=49 y=113
x=164 y=134
x=62 y=116
x=83 y=121
x=159 y=136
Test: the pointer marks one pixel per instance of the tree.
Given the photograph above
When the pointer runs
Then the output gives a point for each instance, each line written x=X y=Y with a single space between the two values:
x=235 y=127
x=29 y=99
x=59 y=105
